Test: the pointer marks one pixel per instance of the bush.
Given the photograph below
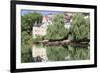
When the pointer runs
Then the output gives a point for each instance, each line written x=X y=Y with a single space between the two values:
x=80 y=28
x=57 y=30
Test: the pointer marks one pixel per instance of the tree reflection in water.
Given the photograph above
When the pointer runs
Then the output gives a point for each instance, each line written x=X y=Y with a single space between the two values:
x=66 y=53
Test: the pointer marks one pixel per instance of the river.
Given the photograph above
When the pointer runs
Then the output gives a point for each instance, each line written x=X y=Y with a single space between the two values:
x=45 y=53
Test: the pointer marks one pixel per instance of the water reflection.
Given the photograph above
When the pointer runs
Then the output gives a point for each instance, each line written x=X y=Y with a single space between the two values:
x=42 y=53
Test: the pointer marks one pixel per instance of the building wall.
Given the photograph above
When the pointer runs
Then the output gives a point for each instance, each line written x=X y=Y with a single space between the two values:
x=38 y=51
x=39 y=31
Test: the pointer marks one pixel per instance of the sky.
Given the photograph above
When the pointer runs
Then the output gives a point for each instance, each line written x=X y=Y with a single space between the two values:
x=43 y=12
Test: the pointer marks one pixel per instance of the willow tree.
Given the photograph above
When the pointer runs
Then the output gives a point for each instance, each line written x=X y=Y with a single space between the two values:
x=27 y=22
x=57 y=30
x=80 y=28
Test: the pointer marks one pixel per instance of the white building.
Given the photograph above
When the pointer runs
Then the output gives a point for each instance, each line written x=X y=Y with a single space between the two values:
x=42 y=30
x=47 y=20
x=39 y=31
x=44 y=22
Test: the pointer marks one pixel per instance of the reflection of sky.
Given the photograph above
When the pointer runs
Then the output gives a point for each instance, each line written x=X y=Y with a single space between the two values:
x=43 y=12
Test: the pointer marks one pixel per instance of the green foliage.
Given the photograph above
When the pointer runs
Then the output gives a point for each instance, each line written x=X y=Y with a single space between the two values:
x=26 y=57
x=38 y=38
x=30 y=20
x=57 y=29
x=26 y=41
x=59 y=53
x=80 y=28
x=26 y=44
x=79 y=53
x=27 y=22
x=56 y=53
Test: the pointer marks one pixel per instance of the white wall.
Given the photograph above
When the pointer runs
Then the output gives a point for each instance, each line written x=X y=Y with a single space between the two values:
x=5 y=37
